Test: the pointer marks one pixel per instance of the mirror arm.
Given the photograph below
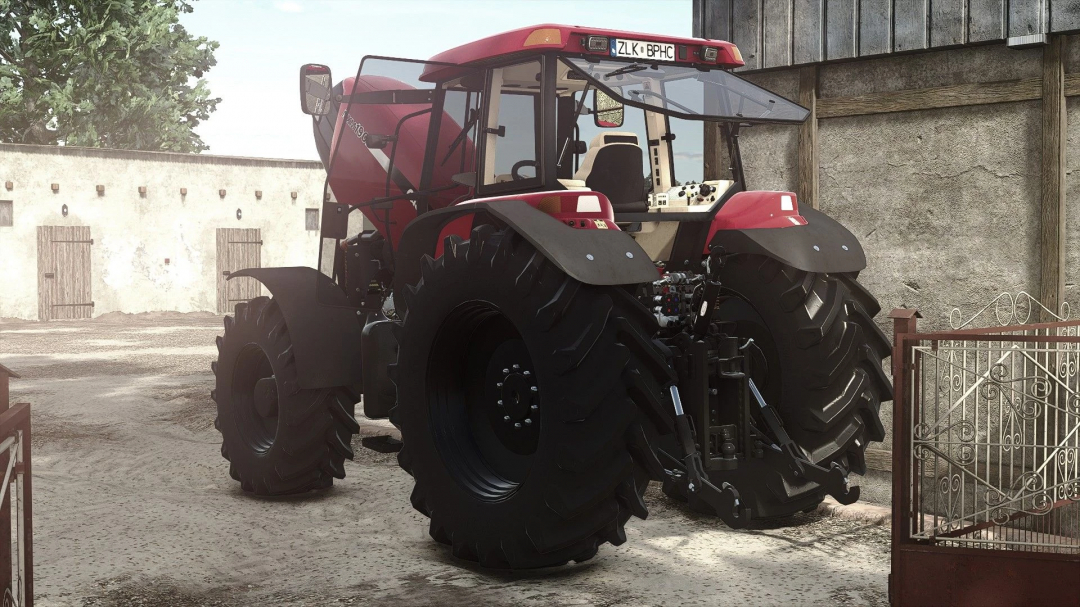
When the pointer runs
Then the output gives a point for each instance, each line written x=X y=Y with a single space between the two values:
x=577 y=112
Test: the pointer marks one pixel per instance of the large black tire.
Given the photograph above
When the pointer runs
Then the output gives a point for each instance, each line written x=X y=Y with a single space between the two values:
x=550 y=484
x=817 y=359
x=278 y=438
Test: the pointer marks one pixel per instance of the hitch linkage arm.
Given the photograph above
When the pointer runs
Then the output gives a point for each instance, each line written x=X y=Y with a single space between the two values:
x=833 y=479
x=723 y=499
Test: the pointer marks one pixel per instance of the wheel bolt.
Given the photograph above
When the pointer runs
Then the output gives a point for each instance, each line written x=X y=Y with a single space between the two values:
x=516 y=367
x=534 y=389
x=535 y=407
x=498 y=384
x=517 y=424
x=499 y=403
x=528 y=421
x=506 y=371
x=526 y=373
x=506 y=418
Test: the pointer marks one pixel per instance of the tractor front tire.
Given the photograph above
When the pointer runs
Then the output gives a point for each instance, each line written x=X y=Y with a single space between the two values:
x=279 y=439
x=521 y=402
x=816 y=358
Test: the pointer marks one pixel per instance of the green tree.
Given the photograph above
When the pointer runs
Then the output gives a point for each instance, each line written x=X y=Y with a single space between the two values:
x=103 y=73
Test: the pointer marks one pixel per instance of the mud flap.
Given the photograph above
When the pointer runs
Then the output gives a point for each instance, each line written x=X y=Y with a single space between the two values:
x=592 y=257
x=822 y=245
x=325 y=338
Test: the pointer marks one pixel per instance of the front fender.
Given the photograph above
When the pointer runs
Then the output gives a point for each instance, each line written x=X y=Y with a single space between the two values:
x=325 y=338
x=594 y=257
x=822 y=245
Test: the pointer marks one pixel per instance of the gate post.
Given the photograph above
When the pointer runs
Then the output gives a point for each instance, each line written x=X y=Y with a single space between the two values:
x=905 y=323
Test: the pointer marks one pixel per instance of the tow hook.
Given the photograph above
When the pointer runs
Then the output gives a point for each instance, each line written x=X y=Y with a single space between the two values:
x=724 y=500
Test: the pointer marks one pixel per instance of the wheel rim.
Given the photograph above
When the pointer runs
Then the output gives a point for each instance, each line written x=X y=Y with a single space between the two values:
x=484 y=401
x=254 y=398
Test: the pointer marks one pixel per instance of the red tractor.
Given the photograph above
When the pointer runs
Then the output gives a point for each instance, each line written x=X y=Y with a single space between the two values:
x=555 y=304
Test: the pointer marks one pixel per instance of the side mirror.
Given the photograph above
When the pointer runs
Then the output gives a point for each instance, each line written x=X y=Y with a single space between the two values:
x=607 y=111
x=316 y=84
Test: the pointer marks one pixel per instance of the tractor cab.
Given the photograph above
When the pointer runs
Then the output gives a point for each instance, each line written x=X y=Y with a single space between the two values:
x=546 y=108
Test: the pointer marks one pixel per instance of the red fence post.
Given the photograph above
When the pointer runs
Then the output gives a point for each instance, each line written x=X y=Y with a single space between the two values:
x=905 y=322
x=5 y=505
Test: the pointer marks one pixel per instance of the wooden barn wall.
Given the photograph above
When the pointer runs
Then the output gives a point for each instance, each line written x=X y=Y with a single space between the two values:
x=782 y=33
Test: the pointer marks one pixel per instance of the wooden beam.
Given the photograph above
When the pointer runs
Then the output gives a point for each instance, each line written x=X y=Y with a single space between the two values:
x=931 y=98
x=1072 y=85
x=1052 y=212
x=806 y=187
x=717 y=162
x=879 y=459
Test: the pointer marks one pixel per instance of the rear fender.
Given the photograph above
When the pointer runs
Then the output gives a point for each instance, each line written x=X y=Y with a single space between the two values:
x=591 y=256
x=325 y=338
x=772 y=224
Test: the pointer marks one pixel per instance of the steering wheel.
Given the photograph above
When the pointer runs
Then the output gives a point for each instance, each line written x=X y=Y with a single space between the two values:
x=520 y=165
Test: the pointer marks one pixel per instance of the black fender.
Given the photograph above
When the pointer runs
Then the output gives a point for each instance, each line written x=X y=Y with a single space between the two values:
x=325 y=338
x=594 y=257
x=822 y=245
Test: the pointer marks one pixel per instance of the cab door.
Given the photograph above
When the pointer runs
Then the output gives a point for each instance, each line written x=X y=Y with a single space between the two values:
x=511 y=138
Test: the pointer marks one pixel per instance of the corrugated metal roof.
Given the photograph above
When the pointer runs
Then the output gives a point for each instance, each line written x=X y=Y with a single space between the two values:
x=782 y=33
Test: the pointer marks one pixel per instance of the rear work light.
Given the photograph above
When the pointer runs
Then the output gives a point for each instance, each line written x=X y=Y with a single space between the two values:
x=597 y=43
x=709 y=53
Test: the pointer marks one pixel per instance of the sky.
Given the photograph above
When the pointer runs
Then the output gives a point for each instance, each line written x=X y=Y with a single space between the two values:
x=264 y=43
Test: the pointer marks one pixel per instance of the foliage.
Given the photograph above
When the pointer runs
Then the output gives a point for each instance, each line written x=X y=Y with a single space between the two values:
x=103 y=73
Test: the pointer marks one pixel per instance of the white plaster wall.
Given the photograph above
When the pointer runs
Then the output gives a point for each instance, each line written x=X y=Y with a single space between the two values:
x=133 y=234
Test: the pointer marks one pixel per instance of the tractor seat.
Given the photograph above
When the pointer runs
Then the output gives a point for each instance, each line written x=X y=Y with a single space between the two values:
x=614 y=166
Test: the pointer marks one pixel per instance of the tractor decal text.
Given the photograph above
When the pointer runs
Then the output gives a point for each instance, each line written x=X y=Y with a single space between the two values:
x=356 y=127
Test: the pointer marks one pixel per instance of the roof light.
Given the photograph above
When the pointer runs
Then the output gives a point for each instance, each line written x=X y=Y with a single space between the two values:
x=544 y=35
x=597 y=43
x=710 y=53
x=735 y=52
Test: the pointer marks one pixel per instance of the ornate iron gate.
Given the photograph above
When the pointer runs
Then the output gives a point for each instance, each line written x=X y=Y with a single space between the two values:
x=986 y=487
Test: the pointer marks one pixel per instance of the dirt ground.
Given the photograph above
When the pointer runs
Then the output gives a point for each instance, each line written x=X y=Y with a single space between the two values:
x=133 y=505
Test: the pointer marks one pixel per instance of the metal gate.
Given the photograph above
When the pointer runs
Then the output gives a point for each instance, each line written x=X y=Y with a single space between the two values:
x=16 y=519
x=237 y=249
x=64 y=272
x=986 y=469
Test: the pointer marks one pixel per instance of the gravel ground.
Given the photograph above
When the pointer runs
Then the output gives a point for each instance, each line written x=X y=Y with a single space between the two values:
x=133 y=505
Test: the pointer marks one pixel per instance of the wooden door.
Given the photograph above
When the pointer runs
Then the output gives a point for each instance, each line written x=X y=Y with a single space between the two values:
x=237 y=249
x=64 y=272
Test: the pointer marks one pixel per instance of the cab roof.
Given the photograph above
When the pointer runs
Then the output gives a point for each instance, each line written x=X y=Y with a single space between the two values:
x=574 y=39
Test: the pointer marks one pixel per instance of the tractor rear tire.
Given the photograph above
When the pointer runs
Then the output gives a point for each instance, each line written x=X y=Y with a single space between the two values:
x=279 y=439
x=522 y=398
x=817 y=358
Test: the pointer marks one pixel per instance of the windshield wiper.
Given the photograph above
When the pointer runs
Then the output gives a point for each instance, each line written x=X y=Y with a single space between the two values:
x=577 y=113
x=630 y=69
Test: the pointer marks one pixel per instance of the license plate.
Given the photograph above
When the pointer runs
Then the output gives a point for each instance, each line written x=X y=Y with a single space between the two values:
x=637 y=49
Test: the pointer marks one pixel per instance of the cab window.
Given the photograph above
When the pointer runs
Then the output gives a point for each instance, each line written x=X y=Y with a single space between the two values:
x=511 y=133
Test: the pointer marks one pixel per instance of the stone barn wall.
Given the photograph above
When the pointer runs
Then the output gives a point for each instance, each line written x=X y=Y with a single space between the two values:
x=134 y=233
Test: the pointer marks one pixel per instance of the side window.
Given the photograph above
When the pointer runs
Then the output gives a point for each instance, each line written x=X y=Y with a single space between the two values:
x=511 y=138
